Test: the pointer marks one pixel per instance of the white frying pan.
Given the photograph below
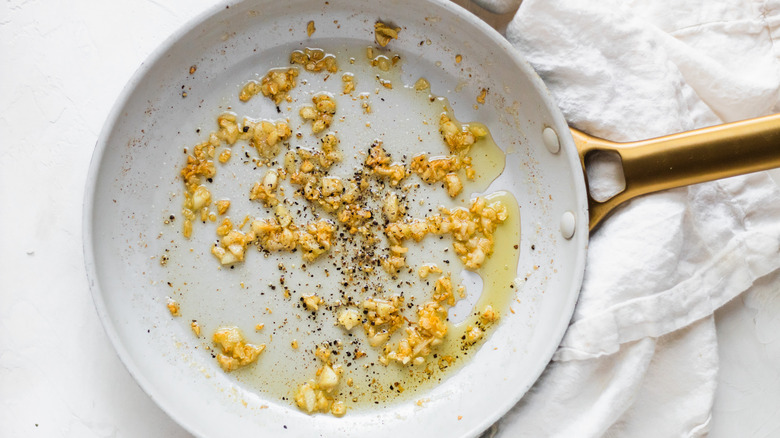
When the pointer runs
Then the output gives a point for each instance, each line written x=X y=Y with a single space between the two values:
x=133 y=184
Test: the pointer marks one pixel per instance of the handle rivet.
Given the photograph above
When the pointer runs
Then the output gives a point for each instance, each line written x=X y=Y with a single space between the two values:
x=550 y=139
x=568 y=225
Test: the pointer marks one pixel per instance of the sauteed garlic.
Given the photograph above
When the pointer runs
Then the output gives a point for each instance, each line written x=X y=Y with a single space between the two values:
x=358 y=211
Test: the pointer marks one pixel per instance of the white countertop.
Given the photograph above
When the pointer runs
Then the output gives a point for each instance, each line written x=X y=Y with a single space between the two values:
x=64 y=64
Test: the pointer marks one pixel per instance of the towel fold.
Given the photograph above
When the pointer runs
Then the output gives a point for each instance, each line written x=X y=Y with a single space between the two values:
x=640 y=356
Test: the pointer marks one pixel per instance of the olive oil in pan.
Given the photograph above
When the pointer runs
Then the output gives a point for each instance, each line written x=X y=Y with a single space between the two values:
x=500 y=270
x=488 y=160
x=498 y=275
x=267 y=288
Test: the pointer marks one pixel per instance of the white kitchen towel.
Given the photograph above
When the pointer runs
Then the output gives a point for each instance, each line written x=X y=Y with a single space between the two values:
x=640 y=356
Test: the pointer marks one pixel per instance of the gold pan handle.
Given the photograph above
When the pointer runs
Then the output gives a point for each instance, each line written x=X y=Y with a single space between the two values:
x=686 y=158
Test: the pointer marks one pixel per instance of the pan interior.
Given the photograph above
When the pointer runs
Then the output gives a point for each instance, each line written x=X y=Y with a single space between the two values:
x=133 y=186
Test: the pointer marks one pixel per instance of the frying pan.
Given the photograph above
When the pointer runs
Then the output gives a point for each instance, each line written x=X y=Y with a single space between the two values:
x=133 y=185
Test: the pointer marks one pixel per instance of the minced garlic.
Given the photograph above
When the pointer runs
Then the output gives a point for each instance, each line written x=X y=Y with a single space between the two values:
x=384 y=33
x=488 y=315
x=281 y=234
x=222 y=206
x=233 y=243
x=267 y=136
x=473 y=334
x=379 y=162
x=392 y=208
x=349 y=318
x=362 y=202
x=426 y=270
x=318 y=395
x=264 y=190
x=459 y=138
x=321 y=114
x=224 y=156
x=382 y=318
x=312 y=302
x=482 y=95
x=274 y=85
x=472 y=230
x=422 y=84
x=314 y=60
x=428 y=332
x=236 y=353
x=173 y=307
x=349 y=82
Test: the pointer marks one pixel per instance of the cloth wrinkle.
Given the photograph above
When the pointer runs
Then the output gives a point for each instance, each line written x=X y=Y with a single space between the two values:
x=661 y=264
x=655 y=315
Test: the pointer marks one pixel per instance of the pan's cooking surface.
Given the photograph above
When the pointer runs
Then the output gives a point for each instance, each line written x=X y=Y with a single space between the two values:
x=133 y=181
x=268 y=290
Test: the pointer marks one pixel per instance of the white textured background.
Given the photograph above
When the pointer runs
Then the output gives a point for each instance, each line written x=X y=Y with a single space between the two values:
x=62 y=65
